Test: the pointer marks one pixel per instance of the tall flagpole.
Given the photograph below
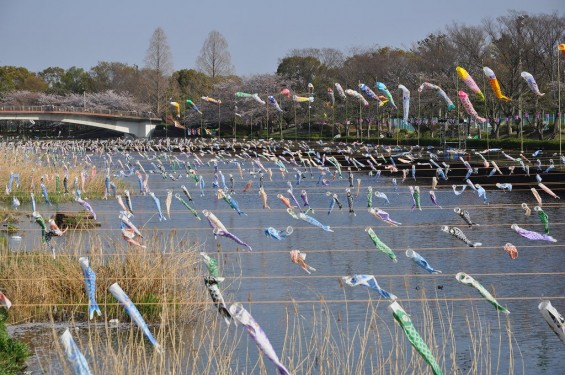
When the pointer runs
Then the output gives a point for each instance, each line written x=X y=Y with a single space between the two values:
x=419 y=111
x=559 y=99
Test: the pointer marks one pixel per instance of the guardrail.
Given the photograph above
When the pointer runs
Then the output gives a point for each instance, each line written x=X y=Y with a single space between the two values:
x=72 y=109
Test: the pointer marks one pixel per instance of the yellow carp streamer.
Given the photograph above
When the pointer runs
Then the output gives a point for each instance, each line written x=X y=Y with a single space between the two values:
x=470 y=82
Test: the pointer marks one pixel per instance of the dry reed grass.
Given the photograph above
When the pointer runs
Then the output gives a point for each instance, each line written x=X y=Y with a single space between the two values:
x=163 y=275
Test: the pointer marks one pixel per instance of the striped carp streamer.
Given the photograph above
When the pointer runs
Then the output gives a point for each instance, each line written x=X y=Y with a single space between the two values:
x=458 y=233
x=464 y=98
x=531 y=83
x=299 y=258
x=511 y=250
x=531 y=235
x=419 y=260
x=132 y=311
x=370 y=282
x=415 y=339
x=470 y=82
x=553 y=318
x=463 y=278
x=240 y=314
x=494 y=85
x=527 y=210
x=440 y=92
x=380 y=245
x=464 y=214
x=76 y=359
x=212 y=284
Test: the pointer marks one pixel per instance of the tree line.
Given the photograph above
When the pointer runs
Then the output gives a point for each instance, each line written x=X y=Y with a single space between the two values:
x=507 y=44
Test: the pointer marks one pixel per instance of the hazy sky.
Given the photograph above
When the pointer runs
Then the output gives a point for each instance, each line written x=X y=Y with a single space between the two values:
x=64 y=33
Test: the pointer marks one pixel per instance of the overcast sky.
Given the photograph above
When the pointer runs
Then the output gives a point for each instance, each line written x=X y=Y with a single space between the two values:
x=65 y=33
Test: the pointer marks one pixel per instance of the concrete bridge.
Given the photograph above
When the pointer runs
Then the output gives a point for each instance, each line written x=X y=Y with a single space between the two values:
x=139 y=124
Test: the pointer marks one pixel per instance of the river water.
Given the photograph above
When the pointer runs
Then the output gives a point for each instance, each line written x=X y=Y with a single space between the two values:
x=267 y=283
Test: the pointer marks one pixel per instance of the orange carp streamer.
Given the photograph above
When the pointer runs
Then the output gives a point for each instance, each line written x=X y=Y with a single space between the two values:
x=494 y=84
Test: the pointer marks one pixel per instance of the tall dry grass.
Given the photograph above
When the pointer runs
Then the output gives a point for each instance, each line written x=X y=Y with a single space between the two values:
x=166 y=274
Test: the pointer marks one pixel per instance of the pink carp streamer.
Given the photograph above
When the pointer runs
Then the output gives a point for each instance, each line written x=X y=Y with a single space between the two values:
x=464 y=98
x=548 y=190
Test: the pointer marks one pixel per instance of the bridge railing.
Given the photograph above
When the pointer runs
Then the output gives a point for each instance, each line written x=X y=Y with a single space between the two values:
x=72 y=109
